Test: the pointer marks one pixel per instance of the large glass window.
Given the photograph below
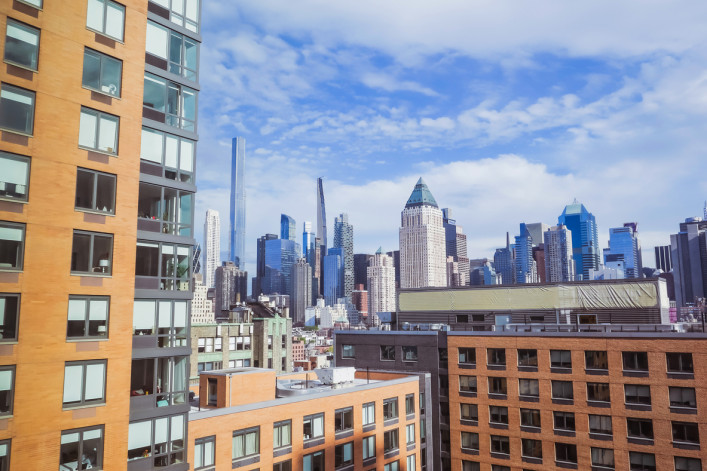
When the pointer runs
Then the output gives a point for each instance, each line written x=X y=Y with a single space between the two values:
x=178 y=52
x=641 y=461
x=12 y=245
x=163 y=378
x=600 y=424
x=88 y=317
x=16 y=109
x=470 y=441
x=101 y=73
x=95 y=191
x=7 y=389
x=496 y=356
x=14 y=179
x=563 y=420
x=467 y=383
x=560 y=359
x=686 y=432
x=566 y=452
x=313 y=461
x=530 y=418
x=5 y=455
x=369 y=447
x=683 y=397
x=498 y=385
x=687 y=464
x=106 y=17
x=467 y=356
x=343 y=455
x=282 y=434
x=182 y=12
x=392 y=466
x=313 y=426
x=598 y=392
x=390 y=440
x=603 y=457
x=562 y=390
x=204 y=452
x=98 y=131
x=9 y=316
x=528 y=387
x=527 y=357
x=21 y=44
x=639 y=428
x=163 y=318
x=498 y=414
x=160 y=439
x=470 y=466
x=343 y=419
x=82 y=449
x=639 y=394
x=410 y=434
x=168 y=265
x=348 y=351
x=176 y=102
x=387 y=352
x=500 y=444
x=174 y=154
x=679 y=362
x=531 y=448
x=596 y=360
x=409 y=353
x=92 y=252
x=172 y=210
x=369 y=413
x=635 y=361
x=409 y=404
x=84 y=383
x=246 y=443
x=390 y=408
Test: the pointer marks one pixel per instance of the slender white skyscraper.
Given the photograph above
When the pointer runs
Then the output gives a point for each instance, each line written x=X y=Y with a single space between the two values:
x=422 y=242
x=321 y=214
x=212 y=246
x=381 y=284
x=236 y=231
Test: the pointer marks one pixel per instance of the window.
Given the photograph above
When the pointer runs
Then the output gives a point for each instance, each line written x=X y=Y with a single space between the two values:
x=106 y=17
x=174 y=155
x=163 y=378
x=560 y=359
x=596 y=360
x=687 y=464
x=84 y=383
x=387 y=352
x=282 y=434
x=12 y=245
x=638 y=394
x=470 y=441
x=467 y=356
x=218 y=344
x=635 y=361
x=409 y=353
x=343 y=455
x=598 y=392
x=393 y=466
x=16 y=109
x=679 y=362
x=641 y=461
x=563 y=420
x=409 y=404
x=204 y=449
x=7 y=389
x=343 y=419
x=313 y=461
x=500 y=444
x=639 y=428
x=165 y=210
x=9 y=317
x=231 y=343
x=470 y=466
x=313 y=426
x=686 y=432
x=5 y=455
x=98 y=131
x=410 y=463
x=178 y=53
x=101 y=73
x=531 y=448
x=21 y=44
x=165 y=319
x=498 y=467
x=369 y=413
x=82 y=449
x=410 y=434
x=603 y=457
x=469 y=411
x=369 y=447
x=566 y=452
x=182 y=12
x=562 y=390
x=348 y=351
x=496 y=356
x=95 y=191
x=528 y=387
x=162 y=266
x=161 y=439
x=14 y=180
x=246 y=443
x=169 y=102
x=498 y=414
x=92 y=253
x=530 y=418
x=390 y=408
x=498 y=385
x=682 y=397
x=600 y=424
x=527 y=357
x=390 y=440
x=467 y=383
x=423 y=430
x=88 y=317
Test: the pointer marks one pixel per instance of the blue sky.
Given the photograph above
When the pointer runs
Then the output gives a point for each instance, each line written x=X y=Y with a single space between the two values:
x=508 y=109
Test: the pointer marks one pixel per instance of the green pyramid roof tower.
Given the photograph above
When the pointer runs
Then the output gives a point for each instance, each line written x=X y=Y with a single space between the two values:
x=421 y=196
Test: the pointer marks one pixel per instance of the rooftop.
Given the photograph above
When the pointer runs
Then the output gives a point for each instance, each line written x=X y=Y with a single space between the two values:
x=421 y=196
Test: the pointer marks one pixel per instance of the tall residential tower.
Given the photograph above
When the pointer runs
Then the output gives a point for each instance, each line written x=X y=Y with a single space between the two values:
x=343 y=239
x=212 y=246
x=585 y=238
x=236 y=231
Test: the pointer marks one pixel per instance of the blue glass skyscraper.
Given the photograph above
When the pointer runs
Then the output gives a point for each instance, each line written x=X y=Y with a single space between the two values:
x=280 y=256
x=625 y=247
x=504 y=264
x=288 y=227
x=236 y=232
x=525 y=270
x=333 y=275
x=308 y=241
x=585 y=239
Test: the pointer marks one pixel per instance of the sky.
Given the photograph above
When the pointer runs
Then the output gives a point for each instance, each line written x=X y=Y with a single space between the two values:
x=509 y=110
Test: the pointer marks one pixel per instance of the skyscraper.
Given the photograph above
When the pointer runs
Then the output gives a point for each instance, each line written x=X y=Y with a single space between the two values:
x=343 y=238
x=301 y=297
x=212 y=246
x=689 y=255
x=381 y=284
x=308 y=241
x=422 y=242
x=504 y=263
x=624 y=246
x=663 y=260
x=288 y=228
x=257 y=288
x=455 y=242
x=231 y=287
x=280 y=256
x=559 y=263
x=333 y=275
x=236 y=233
x=321 y=214
x=525 y=266
x=585 y=238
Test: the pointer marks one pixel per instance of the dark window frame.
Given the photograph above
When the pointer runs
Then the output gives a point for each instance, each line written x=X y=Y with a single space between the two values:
x=99 y=116
x=20 y=250
x=566 y=452
x=23 y=159
x=641 y=428
x=106 y=3
x=340 y=453
x=94 y=191
x=496 y=356
x=632 y=395
x=563 y=420
x=33 y=64
x=635 y=361
x=91 y=263
x=340 y=419
x=531 y=414
x=683 y=360
x=390 y=408
x=200 y=449
x=467 y=355
x=14 y=325
x=564 y=385
x=80 y=453
x=349 y=352
x=102 y=58
x=387 y=352
x=244 y=432
x=561 y=362
x=9 y=399
x=409 y=353
x=87 y=316
x=84 y=369
x=528 y=357
x=597 y=360
x=28 y=130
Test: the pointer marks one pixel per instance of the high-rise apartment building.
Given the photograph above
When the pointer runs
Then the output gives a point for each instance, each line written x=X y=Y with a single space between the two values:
x=422 y=241
x=537 y=231
x=257 y=287
x=212 y=246
x=525 y=265
x=361 y=269
x=381 y=284
x=231 y=288
x=455 y=243
x=236 y=230
x=359 y=299
x=321 y=215
x=288 y=228
x=301 y=297
x=308 y=241
x=504 y=263
x=343 y=239
x=663 y=260
x=689 y=256
x=202 y=308
x=585 y=238
x=280 y=256
x=333 y=275
x=559 y=263
x=395 y=256
x=625 y=247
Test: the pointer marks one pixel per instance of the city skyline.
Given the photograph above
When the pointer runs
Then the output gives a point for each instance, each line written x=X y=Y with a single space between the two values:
x=508 y=123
